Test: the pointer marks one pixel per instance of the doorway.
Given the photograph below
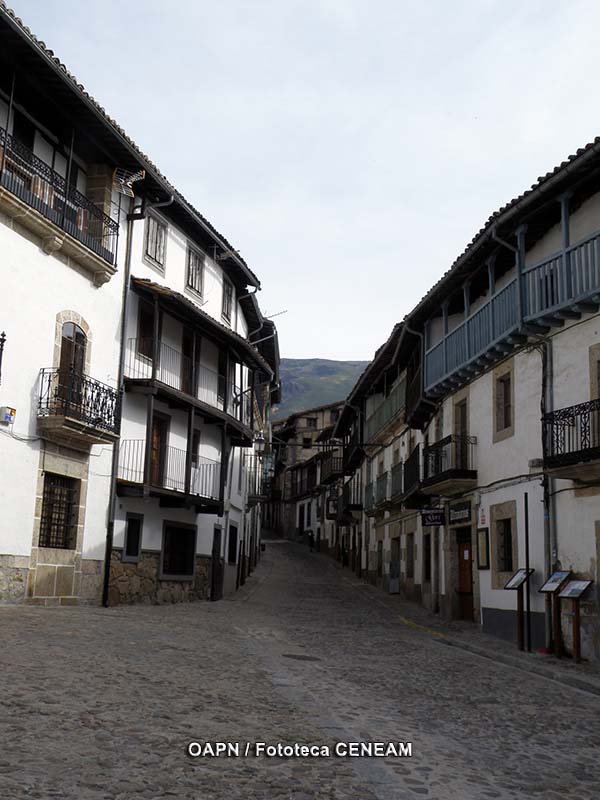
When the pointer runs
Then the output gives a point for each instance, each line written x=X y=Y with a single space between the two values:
x=71 y=369
x=158 y=448
x=465 y=573
x=217 y=567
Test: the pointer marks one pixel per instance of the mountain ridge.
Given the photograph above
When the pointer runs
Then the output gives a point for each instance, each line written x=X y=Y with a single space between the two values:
x=312 y=382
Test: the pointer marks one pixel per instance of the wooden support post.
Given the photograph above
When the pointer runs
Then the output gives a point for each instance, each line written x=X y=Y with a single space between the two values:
x=566 y=285
x=556 y=626
x=148 y=448
x=520 y=259
x=188 y=451
x=520 y=619
x=576 y=631
x=155 y=339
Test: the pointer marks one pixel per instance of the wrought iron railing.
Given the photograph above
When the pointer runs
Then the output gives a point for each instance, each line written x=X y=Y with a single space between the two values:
x=257 y=477
x=167 y=469
x=40 y=187
x=74 y=395
x=174 y=369
x=412 y=470
x=389 y=408
x=454 y=452
x=381 y=488
x=572 y=434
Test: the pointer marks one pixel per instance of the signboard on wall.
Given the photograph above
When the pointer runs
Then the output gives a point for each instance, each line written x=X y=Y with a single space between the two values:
x=432 y=517
x=459 y=513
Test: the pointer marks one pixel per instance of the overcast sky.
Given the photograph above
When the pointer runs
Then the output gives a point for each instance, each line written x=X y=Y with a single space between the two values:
x=349 y=150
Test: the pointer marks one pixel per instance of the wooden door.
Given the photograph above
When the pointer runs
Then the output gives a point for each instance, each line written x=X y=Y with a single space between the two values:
x=217 y=567
x=158 y=449
x=465 y=574
x=301 y=519
x=72 y=364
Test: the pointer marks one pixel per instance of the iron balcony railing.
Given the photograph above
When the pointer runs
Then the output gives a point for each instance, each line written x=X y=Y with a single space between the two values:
x=381 y=488
x=369 y=497
x=412 y=470
x=257 y=478
x=572 y=434
x=40 y=187
x=70 y=394
x=174 y=369
x=332 y=466
x=454 y=452
x=167 y=469
x=396 y=482
x=388 y=409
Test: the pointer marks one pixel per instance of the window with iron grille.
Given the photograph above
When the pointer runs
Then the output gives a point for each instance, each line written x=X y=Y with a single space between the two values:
x=156 y=240
x=227 y=299
x=195 y=270
x=179 y=549
x=60 y=502
x=133 y=538
x=504 y=540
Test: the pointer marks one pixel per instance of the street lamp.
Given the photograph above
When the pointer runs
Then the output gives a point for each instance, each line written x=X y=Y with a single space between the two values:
x=259 y=444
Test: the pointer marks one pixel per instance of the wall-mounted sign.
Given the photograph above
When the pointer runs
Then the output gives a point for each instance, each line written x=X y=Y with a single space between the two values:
x=554 y=582
x=459 y=513
x=575 y=589
x=482 y=519
x=483 y=549
x=518 y=579
x=432 y=517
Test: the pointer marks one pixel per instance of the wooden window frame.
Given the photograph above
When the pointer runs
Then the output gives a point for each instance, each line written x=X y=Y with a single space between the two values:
x=501 y=375
x=227 y=306
x=150 y=252
x=192 y=281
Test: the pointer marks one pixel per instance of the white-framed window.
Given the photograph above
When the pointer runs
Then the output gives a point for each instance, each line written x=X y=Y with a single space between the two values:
x=227 y=299
x=155 y=245
x=195 y=270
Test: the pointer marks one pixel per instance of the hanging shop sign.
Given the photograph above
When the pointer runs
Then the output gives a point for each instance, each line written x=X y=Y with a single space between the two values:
x=459 y=513
x=432 y=517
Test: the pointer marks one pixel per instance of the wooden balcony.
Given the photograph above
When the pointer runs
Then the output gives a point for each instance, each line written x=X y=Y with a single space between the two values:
x=332 y=467
x=76 y=410
x=572 y=442
x=390 y=410
x=448 y=466
x=166 y=477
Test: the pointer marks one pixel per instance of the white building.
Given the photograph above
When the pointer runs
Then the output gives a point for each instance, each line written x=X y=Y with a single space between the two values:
x=127 y=360
x=486 y=409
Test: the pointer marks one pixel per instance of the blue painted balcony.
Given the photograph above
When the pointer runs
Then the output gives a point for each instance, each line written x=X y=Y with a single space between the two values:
x=543 y=295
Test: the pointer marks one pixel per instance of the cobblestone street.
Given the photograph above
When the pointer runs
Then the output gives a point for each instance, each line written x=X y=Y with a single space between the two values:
x=102 y=703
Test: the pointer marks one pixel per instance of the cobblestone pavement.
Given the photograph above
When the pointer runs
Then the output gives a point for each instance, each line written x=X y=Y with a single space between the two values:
x=101 y=703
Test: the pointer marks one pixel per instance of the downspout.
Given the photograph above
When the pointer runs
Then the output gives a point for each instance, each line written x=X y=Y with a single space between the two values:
x=137 y=213
x=414 y=332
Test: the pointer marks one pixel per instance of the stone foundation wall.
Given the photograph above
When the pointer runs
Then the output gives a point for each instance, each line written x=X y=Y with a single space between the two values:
x=140 y=582
x=13 y=578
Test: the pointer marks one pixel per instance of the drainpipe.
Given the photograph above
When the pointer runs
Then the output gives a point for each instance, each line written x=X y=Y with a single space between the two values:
x=137 y=213
x=548 y=485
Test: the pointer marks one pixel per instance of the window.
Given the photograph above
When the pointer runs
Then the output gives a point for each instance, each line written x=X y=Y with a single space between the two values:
x=427 y=557
x=195 y=270
x=504 y=541
x=503 y=403
x=232 y=544
x=58 y=525
x=156 y=240
x=179 y=552
x=227 y=299
x=334 y=415
x=311 y=422
x=308 y=513
x=133 y=538
x=145 y=330
x=410 y=555
x=379 y=559
x=306 y=442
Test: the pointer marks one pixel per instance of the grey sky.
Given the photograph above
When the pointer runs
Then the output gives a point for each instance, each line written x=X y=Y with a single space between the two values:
x=350 y=150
